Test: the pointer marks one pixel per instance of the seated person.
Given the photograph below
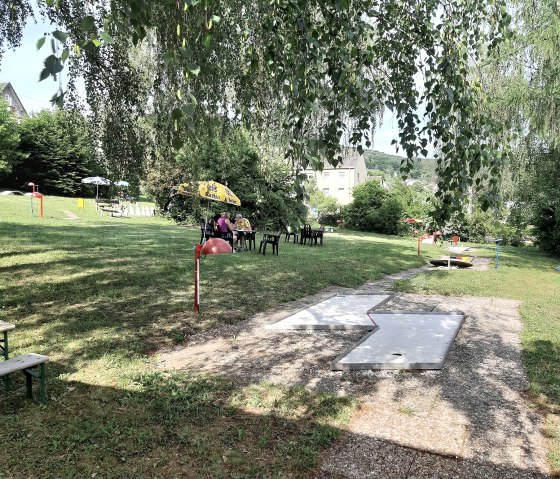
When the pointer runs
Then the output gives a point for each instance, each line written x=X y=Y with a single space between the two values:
x=225 y=226
x=242 y=223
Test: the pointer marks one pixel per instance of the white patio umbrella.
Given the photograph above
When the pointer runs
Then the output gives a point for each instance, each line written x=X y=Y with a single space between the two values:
x=96 y=180
x=121 y=183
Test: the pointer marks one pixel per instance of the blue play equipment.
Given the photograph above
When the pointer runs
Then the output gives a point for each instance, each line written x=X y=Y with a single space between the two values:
x=498 y=241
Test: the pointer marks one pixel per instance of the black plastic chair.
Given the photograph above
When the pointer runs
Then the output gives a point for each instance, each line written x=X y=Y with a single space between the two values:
x=206 y=230
x=317 y=235
x=250 y=239
x=273 y=239
x=290 y=233
x=306 y=234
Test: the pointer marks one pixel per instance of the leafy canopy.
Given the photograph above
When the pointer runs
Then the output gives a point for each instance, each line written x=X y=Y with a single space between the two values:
x=310 y=74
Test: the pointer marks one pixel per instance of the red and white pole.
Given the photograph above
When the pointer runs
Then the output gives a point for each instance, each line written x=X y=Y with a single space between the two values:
x=197 y=249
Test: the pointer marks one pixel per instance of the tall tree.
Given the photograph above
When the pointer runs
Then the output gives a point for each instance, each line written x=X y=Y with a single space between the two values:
x=523 y=81
x=59 y=151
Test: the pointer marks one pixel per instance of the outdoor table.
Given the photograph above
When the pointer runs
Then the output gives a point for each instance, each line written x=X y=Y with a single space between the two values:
x=241 y=236
x=4 y=328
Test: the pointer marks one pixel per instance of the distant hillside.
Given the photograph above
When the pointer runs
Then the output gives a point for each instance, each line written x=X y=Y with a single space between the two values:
x=376 y=161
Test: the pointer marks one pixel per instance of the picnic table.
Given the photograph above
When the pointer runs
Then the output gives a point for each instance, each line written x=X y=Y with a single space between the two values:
x=5 y=328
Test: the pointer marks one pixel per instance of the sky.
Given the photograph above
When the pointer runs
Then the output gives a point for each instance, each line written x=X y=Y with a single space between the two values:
x=22 y=68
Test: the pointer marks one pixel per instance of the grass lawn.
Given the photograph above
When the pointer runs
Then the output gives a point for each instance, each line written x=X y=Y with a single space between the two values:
x=100 y=295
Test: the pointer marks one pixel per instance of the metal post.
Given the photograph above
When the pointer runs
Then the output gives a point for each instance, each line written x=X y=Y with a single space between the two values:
x=498 y=241
x=197 y=250
x=418 y=245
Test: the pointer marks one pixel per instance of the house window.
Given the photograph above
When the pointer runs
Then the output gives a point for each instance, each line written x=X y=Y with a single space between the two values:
x=341 y=189
x=326 y=191
x=341 y=175
x=326 y=175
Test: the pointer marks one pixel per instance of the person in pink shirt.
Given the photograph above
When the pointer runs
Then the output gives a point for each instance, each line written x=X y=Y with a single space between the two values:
x=225 y=226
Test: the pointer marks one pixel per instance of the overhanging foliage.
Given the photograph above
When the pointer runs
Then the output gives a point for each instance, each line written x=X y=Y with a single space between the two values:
x=314 y=73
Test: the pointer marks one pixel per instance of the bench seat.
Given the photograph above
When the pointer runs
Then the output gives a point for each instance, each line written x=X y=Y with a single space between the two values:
x=25 y=363
x=22 y=362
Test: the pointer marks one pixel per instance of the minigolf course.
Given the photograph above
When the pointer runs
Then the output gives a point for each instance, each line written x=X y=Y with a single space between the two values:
x=397 y=339
x=403 y=341
x=338 y=312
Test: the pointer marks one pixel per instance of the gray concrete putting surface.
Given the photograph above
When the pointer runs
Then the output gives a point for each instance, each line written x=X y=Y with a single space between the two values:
x=338 y=312
x=404 y=340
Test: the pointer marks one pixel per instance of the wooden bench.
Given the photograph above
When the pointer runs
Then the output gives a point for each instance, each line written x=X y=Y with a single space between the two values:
x=26 y=363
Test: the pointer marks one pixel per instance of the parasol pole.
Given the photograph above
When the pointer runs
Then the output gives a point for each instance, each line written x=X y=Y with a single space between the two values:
x=197 y=249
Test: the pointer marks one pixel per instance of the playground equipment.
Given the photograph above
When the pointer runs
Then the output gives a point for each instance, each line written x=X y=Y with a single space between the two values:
x=35 y=194
x=498 y=241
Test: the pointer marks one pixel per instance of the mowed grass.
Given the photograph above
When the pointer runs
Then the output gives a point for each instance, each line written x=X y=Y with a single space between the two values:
x=524 y=274
x=101 y=295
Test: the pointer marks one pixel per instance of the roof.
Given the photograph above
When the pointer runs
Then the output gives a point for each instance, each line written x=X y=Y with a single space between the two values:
x=5 y=86
x=350 y=158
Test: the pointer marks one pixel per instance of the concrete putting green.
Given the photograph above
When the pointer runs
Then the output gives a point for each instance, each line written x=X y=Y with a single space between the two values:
x=398 y=340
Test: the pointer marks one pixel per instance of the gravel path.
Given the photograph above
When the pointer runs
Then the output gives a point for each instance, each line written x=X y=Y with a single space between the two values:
x=469 y=420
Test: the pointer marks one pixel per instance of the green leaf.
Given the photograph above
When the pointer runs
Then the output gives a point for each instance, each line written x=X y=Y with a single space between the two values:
x=44 y=75
x=41 y=42
x=176 y=114
x=77 y=50
x=108 y=39
x=96 y=41
x=58 y=100
x=207 y=40
x=188 y=109
x=194 y=69
x=168 y=57
x=60 y=36
x=53 y=65
x=87 y=24
x=186 y=52
x=64 y=55
x=177 y=143
x=49 y=3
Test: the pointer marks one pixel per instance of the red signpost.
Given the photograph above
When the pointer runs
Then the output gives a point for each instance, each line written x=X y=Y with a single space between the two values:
x=36 y=194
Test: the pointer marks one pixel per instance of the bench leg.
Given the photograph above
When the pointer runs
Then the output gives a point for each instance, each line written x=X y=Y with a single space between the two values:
x=42 y=382
x=5 y=351
x=28 y=385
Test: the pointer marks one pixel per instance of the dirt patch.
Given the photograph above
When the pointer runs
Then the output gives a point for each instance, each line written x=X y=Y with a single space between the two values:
x=470 y=419
x=71 y=215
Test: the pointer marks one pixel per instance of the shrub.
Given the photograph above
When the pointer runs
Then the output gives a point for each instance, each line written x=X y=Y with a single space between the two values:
x=373 y=209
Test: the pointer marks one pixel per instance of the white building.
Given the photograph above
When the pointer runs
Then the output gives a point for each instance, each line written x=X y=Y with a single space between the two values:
x=10 y=96
x=340 y=181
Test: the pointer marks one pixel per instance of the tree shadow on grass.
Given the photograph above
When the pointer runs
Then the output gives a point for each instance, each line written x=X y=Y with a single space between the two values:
x=192 y=426
x=476 y=407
